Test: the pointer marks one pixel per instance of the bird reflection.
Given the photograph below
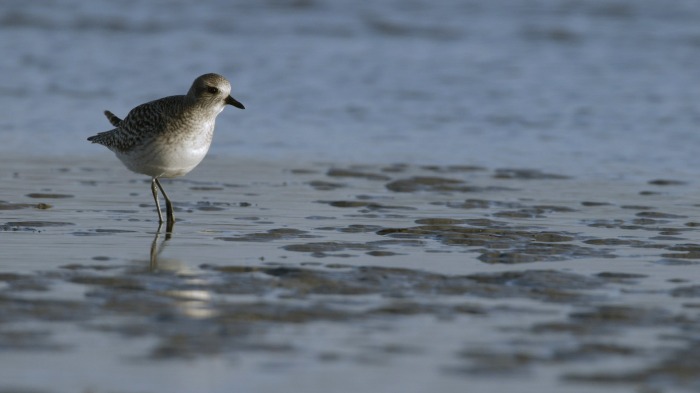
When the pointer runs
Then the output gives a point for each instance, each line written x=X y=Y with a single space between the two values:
x=190 y=301
x=157 y=249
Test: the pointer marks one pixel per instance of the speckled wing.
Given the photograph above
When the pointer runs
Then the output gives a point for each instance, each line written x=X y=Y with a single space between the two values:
x=144 y=121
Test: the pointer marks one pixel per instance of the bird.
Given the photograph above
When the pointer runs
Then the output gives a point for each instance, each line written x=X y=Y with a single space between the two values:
x=170 y=136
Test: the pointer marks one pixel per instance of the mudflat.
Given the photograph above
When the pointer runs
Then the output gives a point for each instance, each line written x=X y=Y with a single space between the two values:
x=326 y=277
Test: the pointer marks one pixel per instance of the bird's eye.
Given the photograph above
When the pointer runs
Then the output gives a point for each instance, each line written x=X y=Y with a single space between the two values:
x=213 y=90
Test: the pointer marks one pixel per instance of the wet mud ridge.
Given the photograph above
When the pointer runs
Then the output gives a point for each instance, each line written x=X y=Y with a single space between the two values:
x=549 y=280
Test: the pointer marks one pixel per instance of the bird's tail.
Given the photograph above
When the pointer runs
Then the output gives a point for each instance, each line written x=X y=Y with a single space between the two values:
x=103 y=138
x=113 y=119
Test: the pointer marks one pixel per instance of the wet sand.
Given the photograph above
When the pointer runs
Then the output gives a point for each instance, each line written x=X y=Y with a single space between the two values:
x=324 y=277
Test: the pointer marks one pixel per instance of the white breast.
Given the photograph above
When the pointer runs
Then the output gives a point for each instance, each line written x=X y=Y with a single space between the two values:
x=170 y=157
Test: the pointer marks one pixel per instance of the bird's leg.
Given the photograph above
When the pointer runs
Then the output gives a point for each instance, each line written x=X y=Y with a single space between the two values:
x=168 y=204
x=154 y=190
x=169 y=229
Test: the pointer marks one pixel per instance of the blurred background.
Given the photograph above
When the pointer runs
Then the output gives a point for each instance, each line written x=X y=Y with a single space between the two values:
x=582 y=87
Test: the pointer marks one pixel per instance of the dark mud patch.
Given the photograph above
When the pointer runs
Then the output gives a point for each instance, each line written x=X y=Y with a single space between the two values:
x=354 y=228
x=659 y=215
x=433 y=184
x=595 y=204
x=42 y=195
x=644 y=224
x=675 y=262
x=37 y=224
x=325 y=249
x=636 y=207
x=213 y=206
x=78 y=266
x=322 y=185
x=270 y=235
x=560 y=35
x=667 y=182
x=621 y=278
x=527 y=174
x=17 y=206
x=502 y=245
x=8 y=228
x=475 y=222
x=623 y=315
x=474 y=203
x=453 y=168
x=303 y=171
x=538 y=211
x=102 y=232
x=207 y=188
x=395 y=168
x=540 y=252
x=685 y=251
x=494 y=362
x=336 y=172
x=545 y=285
x=544 y=279
x=440 y=221
x=366 y=206
x=459 y=235
x=612 y=242
x=378 y=253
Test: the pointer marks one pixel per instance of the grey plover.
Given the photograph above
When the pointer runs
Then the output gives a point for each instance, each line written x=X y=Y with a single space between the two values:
x=170 y=136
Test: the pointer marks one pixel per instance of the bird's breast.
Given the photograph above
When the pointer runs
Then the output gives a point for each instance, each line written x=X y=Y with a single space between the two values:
x=185 y=151
x=171 y=154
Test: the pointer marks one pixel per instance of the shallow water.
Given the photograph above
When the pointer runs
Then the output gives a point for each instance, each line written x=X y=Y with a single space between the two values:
x=338 y=278
x=419 y=197
x=591 y=88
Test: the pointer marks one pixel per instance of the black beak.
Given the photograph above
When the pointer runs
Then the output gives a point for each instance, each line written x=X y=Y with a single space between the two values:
x=232 y=101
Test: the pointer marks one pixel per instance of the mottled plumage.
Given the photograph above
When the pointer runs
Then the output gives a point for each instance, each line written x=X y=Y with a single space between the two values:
x=113 y=119
x=170 y=136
